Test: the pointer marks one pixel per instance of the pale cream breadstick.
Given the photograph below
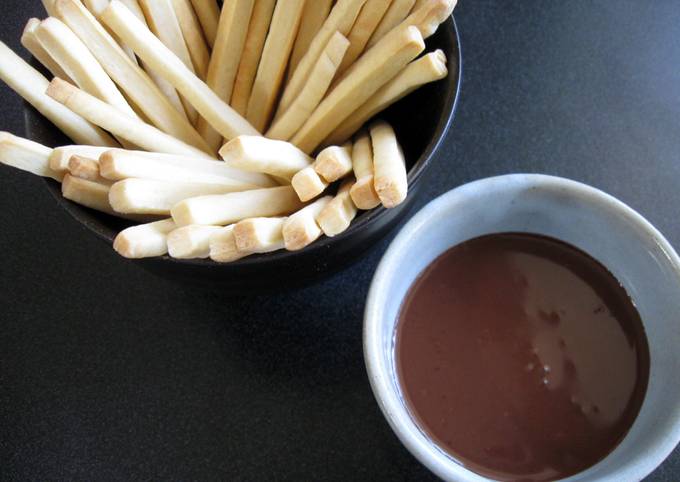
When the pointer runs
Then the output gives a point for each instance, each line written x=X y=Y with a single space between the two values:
x=223 y=246
x=90 y=194
x=389 y=166
x=363 y=191
x=49 y=7
x=159 y=162
x=220 y=116
x=76 y=59
x=31 y=85
x=136 y=84
x=148 y=196
x=398 y=11
x=27 y=156
x=60 y=156
x=252 y=51
x=334 y=162
x=223 y=209
x=342 y=17
x=308 y=184
x=426 y=69
x=272 y=68
x=368 y=20
x=85 y=168
x=339 y=213
x=162 y=21
x=134 y=130
x=208 y=14
x=232 y=31
x=193 y=35
x=301 y=228
x=191 y=242
x=259 y=235
x=144 y=241
x=315 y=14
x=285 y=126
x=96 y=7
x=31 y=43
x=373 y=70
x=259 y=154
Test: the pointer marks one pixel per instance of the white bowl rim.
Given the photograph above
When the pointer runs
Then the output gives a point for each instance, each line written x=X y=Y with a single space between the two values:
x=379 y=381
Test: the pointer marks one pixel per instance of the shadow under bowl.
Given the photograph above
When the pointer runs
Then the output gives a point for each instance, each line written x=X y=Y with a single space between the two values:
x=421 y=121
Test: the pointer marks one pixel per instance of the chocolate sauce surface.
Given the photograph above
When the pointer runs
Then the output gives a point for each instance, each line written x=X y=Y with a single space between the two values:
x=522 y=357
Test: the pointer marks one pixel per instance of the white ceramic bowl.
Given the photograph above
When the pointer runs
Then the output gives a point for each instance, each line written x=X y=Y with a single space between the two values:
x=629 y=246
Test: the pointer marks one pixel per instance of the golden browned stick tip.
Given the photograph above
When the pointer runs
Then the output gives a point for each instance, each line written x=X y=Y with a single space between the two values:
x=144 y=241
x=272 y=68
x=135 y=83
x=367 y=22
x=259 y=154
x=85 y=168
x=193 y=35
x=191 y=242
x=313 y=17
x=301 y=229
x=223 y=246
x=259 y=235
x=363 y=191
x=31 y=85
x=334 y=162
x=308 y=184
x=373 y=70
x=289 y=122
x=27 y=156
x=252 y=51
x=389 y=166
x=214 y=110
x=150 y=196
x=430 y=15
x=426 y=69
x=398 y=11
x=31 y=43
x=102 y=114
x=338 y=214
x=60 y=156
x=229 y=208
x=208 y=13
x=341 y=19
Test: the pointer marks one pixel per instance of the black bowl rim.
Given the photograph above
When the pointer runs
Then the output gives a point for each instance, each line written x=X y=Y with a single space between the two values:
x=324 y=243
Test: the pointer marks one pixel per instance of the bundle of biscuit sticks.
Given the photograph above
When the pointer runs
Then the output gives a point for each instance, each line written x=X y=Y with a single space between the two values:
x=224 y=131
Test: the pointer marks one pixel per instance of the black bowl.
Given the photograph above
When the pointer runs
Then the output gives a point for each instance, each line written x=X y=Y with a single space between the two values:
x=421 y=121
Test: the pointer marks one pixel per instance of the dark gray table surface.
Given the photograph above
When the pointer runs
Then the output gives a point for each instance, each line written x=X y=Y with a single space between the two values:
x=110 y=373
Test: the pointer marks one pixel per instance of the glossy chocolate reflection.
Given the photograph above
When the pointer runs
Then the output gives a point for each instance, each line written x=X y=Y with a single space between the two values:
x=522 y=357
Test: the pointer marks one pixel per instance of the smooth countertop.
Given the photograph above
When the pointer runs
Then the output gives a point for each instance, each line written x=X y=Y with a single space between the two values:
x=110 y=373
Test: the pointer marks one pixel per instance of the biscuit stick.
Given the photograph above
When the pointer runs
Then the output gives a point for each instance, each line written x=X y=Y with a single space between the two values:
x=96 y=7
x=191 y=242
x=272 y=68
x=223 y=209
x=285 y=126
x=49 y=7
x=339 y=213
x=144 y=241
x=223 y=246
x=252 y=51
x=60 y=156
x=315 y=14
x=363 y=28
x=373 y=70
x=363 y=191
x=86 y=168
x=398 y=11
x=31 y=85
x=31 y=43
x=308 y=184
x=26 y=155
x=259 y=235
x=90 y=194
x=334 y=162
x=341 y=19
x=428 y=68
x=220 y=116
x=389 y=167
x=301 y=228
x=208 y=14
x=193 y=36
x=259 y=154
x=102 y=114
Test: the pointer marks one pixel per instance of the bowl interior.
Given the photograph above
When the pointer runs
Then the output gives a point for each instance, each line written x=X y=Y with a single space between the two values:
x=420 y=120
x=598 y=224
